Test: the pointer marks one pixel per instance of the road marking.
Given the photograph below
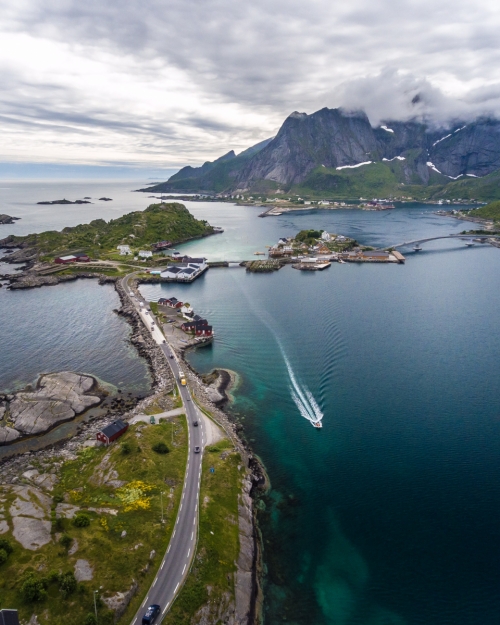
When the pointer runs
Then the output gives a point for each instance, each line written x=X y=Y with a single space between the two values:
x=180 y=508
x=156 y=579
x=194 y=521
x=192 y=534
x=144 y=602
x=162 y=564
x=176 y=587
x=189 y=553
x=184 y=569
x=173 y=534
x=196 y=509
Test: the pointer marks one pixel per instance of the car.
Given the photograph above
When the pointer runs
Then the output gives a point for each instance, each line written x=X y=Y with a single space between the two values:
x=151 y=614
x=195 y=423
x=188 y=398
x=164 y=341
x=197 y=449
x=171 y=355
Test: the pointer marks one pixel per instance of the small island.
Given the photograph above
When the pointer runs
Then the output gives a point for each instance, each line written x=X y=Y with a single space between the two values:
x=7 y=219
x=65 y=202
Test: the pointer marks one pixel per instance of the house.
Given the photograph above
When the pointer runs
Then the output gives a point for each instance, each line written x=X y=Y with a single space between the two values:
x=325 y=236
x=185 y=272
x=186 y=310
x=82 y=258
x=198 y=328
x=64 y=260
x=124 y=250
x=145 y=254
x=112 y=431
x=176 y=254
x=9 y=617
x=199 y=319
x=172 y=302
x=203 y=330
x=196 y=261
x=375 y=255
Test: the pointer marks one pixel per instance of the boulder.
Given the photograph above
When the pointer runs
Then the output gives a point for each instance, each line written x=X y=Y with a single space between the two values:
x=83 y=571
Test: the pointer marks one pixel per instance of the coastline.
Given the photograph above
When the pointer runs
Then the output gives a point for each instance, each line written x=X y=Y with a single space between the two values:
x=248 y=588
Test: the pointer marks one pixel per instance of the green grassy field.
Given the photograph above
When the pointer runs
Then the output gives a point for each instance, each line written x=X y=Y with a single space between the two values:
x=116 y=560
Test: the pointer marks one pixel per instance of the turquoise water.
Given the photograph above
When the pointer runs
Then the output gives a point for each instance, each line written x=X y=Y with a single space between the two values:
x=387 y=515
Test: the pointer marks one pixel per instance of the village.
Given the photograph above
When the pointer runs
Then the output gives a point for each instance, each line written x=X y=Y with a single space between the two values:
x=181 y=324
x=315 y=250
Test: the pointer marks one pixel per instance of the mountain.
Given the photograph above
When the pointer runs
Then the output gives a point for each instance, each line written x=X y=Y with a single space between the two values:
x=340 y=152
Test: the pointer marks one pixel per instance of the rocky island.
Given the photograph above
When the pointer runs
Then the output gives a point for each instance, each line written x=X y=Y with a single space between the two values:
x=7 y=219
x=65 y=202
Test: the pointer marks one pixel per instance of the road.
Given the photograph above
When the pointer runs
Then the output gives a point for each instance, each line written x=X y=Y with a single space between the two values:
x=176 y=562
x=447 y=236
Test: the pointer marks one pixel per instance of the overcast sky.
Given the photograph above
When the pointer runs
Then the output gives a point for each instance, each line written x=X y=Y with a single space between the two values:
x=165 y=83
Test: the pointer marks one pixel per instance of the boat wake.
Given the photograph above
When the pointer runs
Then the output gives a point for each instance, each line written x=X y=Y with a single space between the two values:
x=303 y=398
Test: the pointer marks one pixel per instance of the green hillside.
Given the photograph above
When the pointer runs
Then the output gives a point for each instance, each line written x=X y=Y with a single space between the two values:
x=158 y=222
x=490 y=211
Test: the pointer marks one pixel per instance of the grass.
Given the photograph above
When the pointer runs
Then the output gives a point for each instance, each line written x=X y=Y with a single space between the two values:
x=490 y=211
x=116 y=560
x=212 y=574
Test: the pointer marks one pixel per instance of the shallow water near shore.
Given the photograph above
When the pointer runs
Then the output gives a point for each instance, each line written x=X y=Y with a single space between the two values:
x=389 y=514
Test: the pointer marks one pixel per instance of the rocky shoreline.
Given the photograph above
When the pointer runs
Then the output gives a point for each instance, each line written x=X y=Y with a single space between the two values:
x=248 y=590
x=7 y=219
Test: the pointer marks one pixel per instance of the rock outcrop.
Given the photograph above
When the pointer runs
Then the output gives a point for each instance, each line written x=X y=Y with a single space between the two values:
x=58 y=397
x=7 y=219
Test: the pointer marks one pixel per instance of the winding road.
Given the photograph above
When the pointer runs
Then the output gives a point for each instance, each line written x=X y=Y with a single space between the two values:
x=177 y=560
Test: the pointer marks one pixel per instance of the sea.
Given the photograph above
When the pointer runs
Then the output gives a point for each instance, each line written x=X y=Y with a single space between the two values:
x=388 y=515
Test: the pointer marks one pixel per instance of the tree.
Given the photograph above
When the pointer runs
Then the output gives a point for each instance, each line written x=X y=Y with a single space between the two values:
x=89 y=619
x=3 y=556
x=160 y=448
x=67 y=584
x=6 y=546
x=66 y=541
x=33 y=589
x=81 y=520
x=126 y=448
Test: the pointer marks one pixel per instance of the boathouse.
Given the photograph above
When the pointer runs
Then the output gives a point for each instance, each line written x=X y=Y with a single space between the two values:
x=65 y=260
x=112 y=431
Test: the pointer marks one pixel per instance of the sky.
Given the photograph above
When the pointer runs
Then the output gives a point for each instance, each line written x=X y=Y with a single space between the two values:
x=155 y=85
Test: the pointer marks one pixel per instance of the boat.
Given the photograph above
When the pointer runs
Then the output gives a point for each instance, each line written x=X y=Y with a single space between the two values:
x=317 y=424
x=469 y=243
x=218 y=230
x=341 y=261
x=417 y=248
x=259 y=253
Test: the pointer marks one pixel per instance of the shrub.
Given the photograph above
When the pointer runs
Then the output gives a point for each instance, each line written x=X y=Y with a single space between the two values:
x=52 y=577
x=6 y=546
x=66 y=541
x=67 y=584
x=126 y=448
x=160 y=448
x=58 y=498
x=33 y=589
x=89 y=619
x=3 y=556
x=81 y=520
x=57 y=524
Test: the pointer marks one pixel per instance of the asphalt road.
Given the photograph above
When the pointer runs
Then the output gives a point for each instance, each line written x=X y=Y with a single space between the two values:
x=176 y=562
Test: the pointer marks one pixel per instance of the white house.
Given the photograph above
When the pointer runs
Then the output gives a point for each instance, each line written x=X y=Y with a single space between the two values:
x=185 y=272
x=187 y=311
x=145 y=254
x=124 y=250
x=325 y=236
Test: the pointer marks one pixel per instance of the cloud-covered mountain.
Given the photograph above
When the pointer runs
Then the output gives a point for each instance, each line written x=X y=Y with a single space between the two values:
x=314 y=150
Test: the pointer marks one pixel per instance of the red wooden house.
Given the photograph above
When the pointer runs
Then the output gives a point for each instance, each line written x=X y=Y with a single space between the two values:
x=112 y=431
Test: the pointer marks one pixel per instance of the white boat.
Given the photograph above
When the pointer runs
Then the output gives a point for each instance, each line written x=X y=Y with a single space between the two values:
x=341 y=261
x=317 y=424
x=218 y=230
x=469 y=243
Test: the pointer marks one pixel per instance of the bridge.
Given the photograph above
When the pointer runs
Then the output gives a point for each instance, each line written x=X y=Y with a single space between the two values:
x=417 y=242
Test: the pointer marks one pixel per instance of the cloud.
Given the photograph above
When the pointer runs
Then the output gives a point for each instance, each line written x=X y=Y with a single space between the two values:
x=179 y=82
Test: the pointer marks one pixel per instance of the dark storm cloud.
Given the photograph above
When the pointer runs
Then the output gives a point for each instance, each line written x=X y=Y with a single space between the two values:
x=397 y=60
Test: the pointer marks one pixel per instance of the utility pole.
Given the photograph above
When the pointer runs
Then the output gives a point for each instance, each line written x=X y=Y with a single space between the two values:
x=161 y=499
x=95 y=604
